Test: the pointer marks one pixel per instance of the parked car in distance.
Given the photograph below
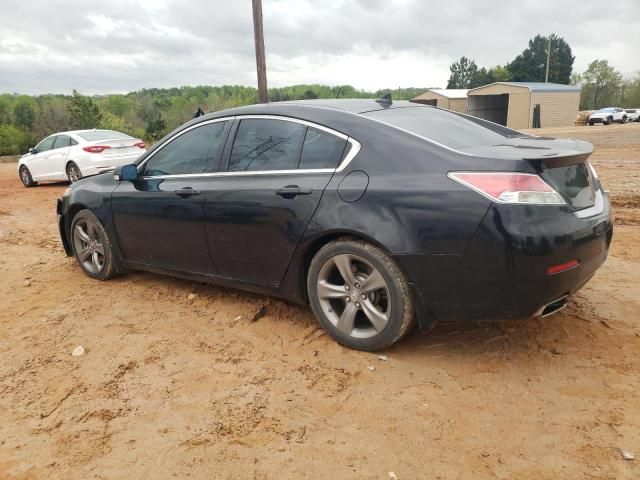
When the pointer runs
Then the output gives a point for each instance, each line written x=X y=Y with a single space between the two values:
x=376 y=213
x=608 y=115
x=633 y=114
x=76 y=154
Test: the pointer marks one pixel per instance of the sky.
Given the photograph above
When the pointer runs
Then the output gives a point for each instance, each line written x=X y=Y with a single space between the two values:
x=100 y=47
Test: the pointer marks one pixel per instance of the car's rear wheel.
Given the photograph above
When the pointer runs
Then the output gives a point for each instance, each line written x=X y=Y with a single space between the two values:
x=91 y=246
x=73 y=172
x=359 y=295
x=624 y=119
x=25 y=177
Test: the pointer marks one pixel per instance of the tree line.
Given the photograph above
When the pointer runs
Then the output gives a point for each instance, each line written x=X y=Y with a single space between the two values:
x=148 y=114
x=602 y=85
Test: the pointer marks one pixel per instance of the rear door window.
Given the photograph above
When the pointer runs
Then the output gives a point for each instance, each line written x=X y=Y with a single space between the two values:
x=195 y=151
x=63 y=141
x=321 y=150
x=266 y=144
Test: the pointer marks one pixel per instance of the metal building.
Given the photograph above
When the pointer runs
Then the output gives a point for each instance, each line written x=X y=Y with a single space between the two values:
x=452 y=99
x=520 y=105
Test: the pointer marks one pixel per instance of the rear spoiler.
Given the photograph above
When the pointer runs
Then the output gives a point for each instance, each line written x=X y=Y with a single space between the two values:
x=559 y=160
x=580 y=153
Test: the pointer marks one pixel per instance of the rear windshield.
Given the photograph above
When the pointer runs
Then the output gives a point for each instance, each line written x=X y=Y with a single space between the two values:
x=630 y=110
x=446 y=128
x=97 y=135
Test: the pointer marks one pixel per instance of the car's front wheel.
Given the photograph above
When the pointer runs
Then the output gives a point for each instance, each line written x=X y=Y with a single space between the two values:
x=25 y=177
x=359 y=295
x=92 y=246
x=73 y=172
x=608 y=121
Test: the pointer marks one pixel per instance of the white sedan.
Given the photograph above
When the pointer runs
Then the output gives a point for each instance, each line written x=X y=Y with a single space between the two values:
x=80 y=153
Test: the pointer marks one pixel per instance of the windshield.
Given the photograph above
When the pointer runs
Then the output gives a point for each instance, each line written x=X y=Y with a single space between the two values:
x=97 y=135
x=607 y=110
x=447 y=128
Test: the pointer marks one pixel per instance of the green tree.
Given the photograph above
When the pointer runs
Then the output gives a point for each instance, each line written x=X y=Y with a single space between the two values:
x=6 y=109
x=530 y=65
x=14 y=141
x=109 y=121
x=463 y=72
x=500 y=74
x=156 y=129
x=600 y=85
x=84 y=112
x=24 y=112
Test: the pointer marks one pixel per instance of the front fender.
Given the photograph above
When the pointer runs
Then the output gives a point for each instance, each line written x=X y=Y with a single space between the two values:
x=94 y=194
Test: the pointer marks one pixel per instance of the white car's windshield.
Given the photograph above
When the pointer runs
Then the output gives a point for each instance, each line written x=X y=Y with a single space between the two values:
x=97 y=135
x=606 y=110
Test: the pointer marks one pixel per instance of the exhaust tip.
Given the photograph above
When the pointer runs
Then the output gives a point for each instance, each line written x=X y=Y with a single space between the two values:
x=554 y=307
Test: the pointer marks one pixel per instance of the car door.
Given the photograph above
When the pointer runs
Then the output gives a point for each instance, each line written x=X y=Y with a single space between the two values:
x=57 y=158
x=37 y=161
x=159 y=217
x=258 y=207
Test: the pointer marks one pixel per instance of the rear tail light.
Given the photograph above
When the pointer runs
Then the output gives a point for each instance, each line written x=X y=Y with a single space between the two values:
x=96 y=148
x=509 y=187
x=139 y=145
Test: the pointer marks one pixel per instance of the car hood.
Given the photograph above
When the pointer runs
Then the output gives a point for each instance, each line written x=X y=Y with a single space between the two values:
x=601 y=114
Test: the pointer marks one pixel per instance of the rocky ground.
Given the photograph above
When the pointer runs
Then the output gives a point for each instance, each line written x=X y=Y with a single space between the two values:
x=174 y=385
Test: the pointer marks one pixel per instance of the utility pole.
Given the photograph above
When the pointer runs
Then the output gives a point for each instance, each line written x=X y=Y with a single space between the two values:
x=261 y=64
x=546 y=75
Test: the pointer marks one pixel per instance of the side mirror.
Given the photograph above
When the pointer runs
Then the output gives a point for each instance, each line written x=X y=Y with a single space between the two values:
x=32 y=150
x=128 y=173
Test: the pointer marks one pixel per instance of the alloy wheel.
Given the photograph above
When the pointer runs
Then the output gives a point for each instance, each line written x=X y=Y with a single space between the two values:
x=354 y=296
x=74 y=173
x=88 y=245
x=24 y=176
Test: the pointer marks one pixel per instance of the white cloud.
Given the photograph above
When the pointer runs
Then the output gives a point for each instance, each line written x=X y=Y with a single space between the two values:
x=99 y=47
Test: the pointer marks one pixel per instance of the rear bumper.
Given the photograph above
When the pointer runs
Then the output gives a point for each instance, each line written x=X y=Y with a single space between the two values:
x=502 y=274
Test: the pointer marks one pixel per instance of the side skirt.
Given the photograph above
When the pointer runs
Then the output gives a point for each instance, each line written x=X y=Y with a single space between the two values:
x=217 y=280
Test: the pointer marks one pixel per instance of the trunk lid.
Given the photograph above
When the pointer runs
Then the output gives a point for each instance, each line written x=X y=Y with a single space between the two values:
x=118 y=147
x=562 y=163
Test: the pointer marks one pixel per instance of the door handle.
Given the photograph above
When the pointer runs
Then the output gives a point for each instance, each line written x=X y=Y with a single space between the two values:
x=291 y=191
x=187 y=192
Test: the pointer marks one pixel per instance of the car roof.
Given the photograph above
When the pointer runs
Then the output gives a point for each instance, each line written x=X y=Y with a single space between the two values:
x=353 y=105
x=75 y=132
x=302 y=108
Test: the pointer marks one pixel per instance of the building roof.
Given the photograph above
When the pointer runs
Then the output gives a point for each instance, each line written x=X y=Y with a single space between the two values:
x=445 y=92
x=537 y=86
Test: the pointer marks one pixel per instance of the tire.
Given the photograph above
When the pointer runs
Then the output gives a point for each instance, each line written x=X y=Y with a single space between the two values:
x=73 y=172
x=25 y=177
x=92 y=246
x=591 y=124
x=356 y=316
x=609 y=121
x=624 y=120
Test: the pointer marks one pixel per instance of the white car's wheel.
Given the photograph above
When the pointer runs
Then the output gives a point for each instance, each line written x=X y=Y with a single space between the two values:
x=73 y=172
x=25 y=176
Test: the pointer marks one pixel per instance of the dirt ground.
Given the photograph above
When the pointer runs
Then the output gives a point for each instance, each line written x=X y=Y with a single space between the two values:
x=173 y=387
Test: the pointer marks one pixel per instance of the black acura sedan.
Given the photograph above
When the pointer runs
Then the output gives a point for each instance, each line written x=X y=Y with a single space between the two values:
x=376 y=213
